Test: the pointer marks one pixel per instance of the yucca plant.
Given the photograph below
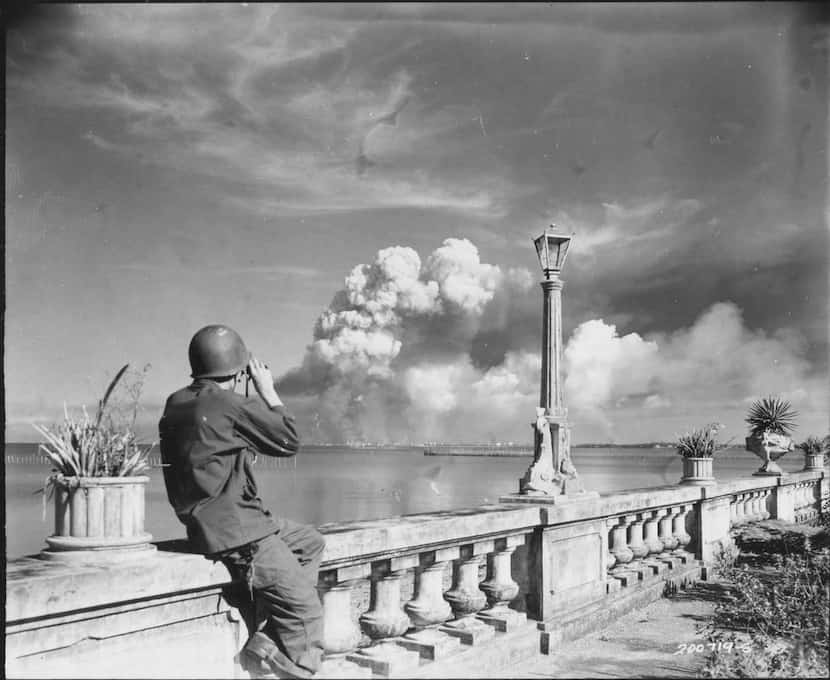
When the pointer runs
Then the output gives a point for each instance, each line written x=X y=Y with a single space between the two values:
x=771 y=414
x=700 y=442
x=813 y=445
x=103 y=447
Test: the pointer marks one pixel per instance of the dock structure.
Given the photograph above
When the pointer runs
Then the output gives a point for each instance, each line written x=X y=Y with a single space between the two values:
x=480 y=588
x=500 y=450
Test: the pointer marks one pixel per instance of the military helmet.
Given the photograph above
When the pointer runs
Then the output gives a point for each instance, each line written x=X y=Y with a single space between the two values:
x=217 y=351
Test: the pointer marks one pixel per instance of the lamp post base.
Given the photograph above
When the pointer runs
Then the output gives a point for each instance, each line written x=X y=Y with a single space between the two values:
x=544 y=499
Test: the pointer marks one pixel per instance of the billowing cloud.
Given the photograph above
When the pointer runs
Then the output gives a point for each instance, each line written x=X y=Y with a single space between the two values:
x=407 y=328
x=394 y=358
x=709 y=370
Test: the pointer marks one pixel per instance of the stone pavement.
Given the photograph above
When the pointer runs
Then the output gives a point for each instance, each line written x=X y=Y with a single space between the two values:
x=641 y=644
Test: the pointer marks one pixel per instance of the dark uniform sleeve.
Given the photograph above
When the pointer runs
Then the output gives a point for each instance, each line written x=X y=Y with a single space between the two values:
x=269 y=431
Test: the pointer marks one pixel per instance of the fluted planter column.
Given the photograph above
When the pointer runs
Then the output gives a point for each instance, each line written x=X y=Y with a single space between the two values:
x=500 y=588
x=467 y=599
x=813 y=461
x=99 y=519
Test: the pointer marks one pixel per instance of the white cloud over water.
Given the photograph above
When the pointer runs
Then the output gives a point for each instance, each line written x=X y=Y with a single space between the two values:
x=394 y=357
x=710 y=369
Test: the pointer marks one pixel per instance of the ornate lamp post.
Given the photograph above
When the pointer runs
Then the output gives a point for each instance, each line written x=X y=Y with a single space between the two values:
x=552 y=472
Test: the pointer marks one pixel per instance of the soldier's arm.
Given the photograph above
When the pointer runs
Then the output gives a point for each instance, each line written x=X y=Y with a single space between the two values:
x=270 y=430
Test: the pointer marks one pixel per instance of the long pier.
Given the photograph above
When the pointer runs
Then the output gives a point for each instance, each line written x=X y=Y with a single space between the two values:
x=478 y=450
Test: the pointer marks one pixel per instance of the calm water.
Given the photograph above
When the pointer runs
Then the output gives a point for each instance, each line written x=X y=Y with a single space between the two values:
x=339 y=485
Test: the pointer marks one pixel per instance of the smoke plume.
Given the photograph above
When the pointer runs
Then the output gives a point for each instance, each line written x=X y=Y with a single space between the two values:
x=412 y=350
x=402 y=350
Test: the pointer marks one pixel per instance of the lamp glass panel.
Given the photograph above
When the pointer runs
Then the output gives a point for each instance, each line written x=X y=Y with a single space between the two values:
x=561 y=252
x=542 y=250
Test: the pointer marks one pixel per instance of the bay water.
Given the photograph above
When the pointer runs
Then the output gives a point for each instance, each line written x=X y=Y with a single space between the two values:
x=327 y=484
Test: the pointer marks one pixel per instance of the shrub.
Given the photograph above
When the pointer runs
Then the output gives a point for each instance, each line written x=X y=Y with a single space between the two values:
x=775 y=621
x=771 y=414
x=700 y=442
x=104 y=447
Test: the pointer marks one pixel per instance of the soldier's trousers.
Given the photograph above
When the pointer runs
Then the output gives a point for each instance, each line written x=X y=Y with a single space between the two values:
x=281 y=571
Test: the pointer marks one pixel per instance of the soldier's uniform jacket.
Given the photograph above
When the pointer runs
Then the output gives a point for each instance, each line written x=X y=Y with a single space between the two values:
x=208 y=438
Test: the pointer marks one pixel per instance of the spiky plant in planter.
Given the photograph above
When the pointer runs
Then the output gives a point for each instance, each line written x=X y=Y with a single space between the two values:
x=698 y=448
x=773 y=415
x=814 y=451
x=97 y=481
x=771 y=421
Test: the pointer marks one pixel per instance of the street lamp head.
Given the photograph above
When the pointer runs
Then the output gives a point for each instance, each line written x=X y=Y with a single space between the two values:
x=552 y=248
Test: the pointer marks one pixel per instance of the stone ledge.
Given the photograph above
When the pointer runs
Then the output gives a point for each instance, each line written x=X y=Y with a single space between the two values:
x=354 y=542
x=635 y=500
x=37 y=588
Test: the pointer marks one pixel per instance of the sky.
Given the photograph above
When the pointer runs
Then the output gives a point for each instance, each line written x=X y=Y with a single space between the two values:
x=355 y=189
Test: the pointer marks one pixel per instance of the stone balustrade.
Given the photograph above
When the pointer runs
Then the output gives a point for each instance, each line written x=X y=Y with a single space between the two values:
x=648 y=543
x=412 y=596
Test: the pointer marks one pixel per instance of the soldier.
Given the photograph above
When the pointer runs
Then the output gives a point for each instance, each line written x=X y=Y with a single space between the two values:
x=210 y=436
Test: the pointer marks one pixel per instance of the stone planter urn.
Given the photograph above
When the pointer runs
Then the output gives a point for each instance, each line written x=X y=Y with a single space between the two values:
x=769 y=446
x=813 y=461
x=698 y=471
x=98 y=519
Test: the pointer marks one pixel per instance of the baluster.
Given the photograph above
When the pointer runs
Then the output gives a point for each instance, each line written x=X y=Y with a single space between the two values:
x=623 y=555
x=619 y=543
x=809 y=501
x=612 y=584
x=740 y=515
x=466 y=598
x=385 y=620
x=654 y=544
x=765 y=514
x=749 y=507
x=428 y=609
x=610 y=556
x=680 y=533
x=667 y=538
x=635 y=541
x=637 y=546
x=500 y=587
x=341 y=633
x=795 y=491
x=756 y=506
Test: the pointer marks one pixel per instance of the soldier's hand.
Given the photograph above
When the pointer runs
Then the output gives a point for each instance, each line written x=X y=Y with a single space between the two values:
x=263 y=382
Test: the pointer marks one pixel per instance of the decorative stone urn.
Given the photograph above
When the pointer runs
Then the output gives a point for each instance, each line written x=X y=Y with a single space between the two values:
x=698 y=472
x=98 y=519
x=769 y=446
